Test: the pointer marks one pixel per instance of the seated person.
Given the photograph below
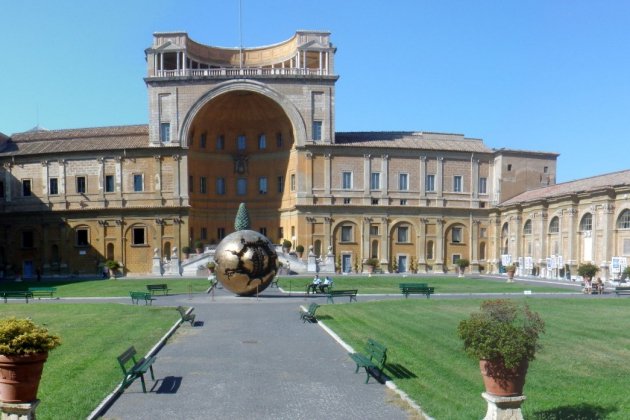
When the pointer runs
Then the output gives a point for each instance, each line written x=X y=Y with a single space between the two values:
x=314 y=284
x=599 y=286
x=326 y=284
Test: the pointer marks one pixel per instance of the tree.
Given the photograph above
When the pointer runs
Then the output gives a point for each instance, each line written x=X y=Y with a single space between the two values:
x=242 y=221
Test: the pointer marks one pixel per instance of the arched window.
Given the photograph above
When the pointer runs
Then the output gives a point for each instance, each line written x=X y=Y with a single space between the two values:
x=587 y=222
x=554 y=226
x=527 y=228
x=624 y=220
x=430 y=250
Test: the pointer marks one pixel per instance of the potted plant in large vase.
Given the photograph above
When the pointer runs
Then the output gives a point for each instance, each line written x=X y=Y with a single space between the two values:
x=112 y=266
x=510 y=270
x=462 y=263
x=504 y=337
x=587 y=270
x=24 y=349
x=371 y=264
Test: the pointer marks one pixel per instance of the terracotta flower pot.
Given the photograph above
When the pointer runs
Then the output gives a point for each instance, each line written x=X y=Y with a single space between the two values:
x=20 y=376
x=501 y=381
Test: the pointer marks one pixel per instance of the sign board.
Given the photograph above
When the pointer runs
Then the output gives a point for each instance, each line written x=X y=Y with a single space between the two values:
x=506 y=259
x=618 y=264
x=529 y=263
x=554 y=262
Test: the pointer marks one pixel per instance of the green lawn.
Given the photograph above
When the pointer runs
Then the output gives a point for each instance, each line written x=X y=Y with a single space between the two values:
x=84 y=369
x=389 y=284
x=111 y=287
x=581 y=373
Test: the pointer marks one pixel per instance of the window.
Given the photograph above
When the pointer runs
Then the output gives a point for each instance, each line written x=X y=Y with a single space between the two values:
x=375 y=201
x=220 y=184
x=220 y=233
x=317 y=130
x=138 y=236
x=1 y=189
x=203 y=140
x=165 y=132
x=138 y=182
x=430 y=183
x=554 y=226
x=109 y=183
x=403 y=234
x=280 y=232
x=27 y=239
x=204 y=234
x=403 y=182
x=455 y=258
x=263 y=231
x=546 y=169
x=509 y=167
x=53 y=186
x=281 y=184
x=292 y=182
x=375 y=181
x=587 y=222
x=262 y=142
x=203 y=185
x=527 y=229
x=483 y=185
x=403 y=202
x=241 y=186
x=430 y=250
x=456 y=235
x=220 y=144
x=483 y=232
x=279 y=140
x=346 y=234
x=241 y=142
x=457 y=183
x=624 y=220
x=82 y=238
x=346 y=180
x=26 y=188
x=81 y=185
x=191 y=183
x=347 y=200
x=262 y=185
x=373 y=229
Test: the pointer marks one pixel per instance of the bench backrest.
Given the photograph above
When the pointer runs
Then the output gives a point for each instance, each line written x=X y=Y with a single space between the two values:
x=181 y=311
x=312 y=307
x=123 y=359
x=343 y=292
x=377 y=352
x=412 y=285
x=156 y=286
x=42 y=289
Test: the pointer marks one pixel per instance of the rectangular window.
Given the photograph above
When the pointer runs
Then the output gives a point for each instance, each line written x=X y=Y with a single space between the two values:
x=346 y=234
x=138 y=236
x=281 y=184
x=27 y=239
x=279 y=140
x=262 y=185
x=375 y=201
x=456 y=235
x=626 y=247
x=403 y=234
x=203 y=185
x=403 y=182
x=53 y=186
x=292 y=182
x=220 y=145
x=403 y=202
x=347 y=200
x=429 y=184
x=165 y=132
x=455 y=258
x=82 y=237
x=81 y=185
x=26 y=188
x=220 y=233
x=483 y=182
x=1 y=189
x=109 y=183
x=262 y=142
x=220 y=186
x=241 y=142
x=375 y=181
x=138 y=182
x=346 y=180
x=241 y=186
x=203 y=140
x=483 y=232
x=373 y=229
x=280 y=232
x=204 y=233
x=263 y=231
x=191 y=183
x=457 y=183
x=317 y=130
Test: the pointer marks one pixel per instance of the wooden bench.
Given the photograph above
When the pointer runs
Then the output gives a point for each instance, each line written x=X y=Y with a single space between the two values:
x=416 y=288
x=186 y=317
x=374 y=358
x=137 y=369
x=42 y=291
x=335 y=293
x=622 y=290
x=158 y=288
x=137 y=296
x=309 y=315
x=25 y=294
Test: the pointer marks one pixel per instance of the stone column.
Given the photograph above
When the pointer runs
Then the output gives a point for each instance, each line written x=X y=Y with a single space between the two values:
x=157 y=261
x=365 y=241
x=423 y=177
x=385 y=244
x=440 y=178
x=474 y=246
x=571 y=234
x=327 y=173
x=421 y=246
x=308 y=177
x=45 y=179
x=328 y=233
x=608 y=225
x=8 y=166
x=385 y=172
x=438 y=267
x=366 y=177
x=62 y=178
x=158 y=175
x=177 y=182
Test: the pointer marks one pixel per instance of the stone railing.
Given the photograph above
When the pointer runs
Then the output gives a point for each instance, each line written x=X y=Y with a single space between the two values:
x=245 y=71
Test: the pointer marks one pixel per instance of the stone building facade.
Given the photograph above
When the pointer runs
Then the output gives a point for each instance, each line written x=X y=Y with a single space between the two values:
x=255 y=125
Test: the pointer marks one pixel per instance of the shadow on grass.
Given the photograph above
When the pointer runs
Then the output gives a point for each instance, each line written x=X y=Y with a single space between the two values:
x=582 y=411
x=169 y=385
x=399 y=371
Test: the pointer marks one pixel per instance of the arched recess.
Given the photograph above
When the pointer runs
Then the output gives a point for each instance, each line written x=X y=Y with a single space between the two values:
x=346 y=244
x=317 y=247
x=166 y=250
x=297 y=122
x=622 y=239
x=109 y=251
x=402 y=246
x=586 y=228
x=374 y=249
x=505 y=230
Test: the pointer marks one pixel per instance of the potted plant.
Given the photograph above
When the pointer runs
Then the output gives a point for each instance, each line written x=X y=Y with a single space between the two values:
x=300 y=250
x=24 y=349
x=462 y=263
x=504 y=337
x=112 y=266
x=338 y=265
x=199 y=247
x=510 y=270
x=587 y=270
x=371 y=263
x=286 y=245
x=211 y=266
x=186 y=250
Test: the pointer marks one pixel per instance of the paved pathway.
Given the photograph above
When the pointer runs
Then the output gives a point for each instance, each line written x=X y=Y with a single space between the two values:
x=254 y=358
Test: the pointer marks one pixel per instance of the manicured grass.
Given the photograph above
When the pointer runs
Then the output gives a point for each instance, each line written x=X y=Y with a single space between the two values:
x=389 y=284
x=581 y=373
x=111 y=287
x=84 y=369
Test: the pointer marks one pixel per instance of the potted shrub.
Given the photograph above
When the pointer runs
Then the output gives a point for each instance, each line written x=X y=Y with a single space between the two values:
x=24 y=349
x=371 y=263
x=462 y=263
x=286 y=245
x=587 y=270
x=112 y=266
x=625 y=274
x=510 y=270
x=186 y=250
x=300 y=250
x=199 y=247
x=504 y=337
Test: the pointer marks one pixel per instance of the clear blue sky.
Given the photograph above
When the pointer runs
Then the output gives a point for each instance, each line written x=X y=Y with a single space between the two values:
x=550 y=75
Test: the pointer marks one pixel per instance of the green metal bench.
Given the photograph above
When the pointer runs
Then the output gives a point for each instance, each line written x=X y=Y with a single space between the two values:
x=186 y=317
x=309 y=315
x=416 y=288
x=136 y=369
x=43 y=291
x=158 y=288
x=136 y=297
x=337 y=293
x=373 y=358
x=25 y=294
x=622 y=290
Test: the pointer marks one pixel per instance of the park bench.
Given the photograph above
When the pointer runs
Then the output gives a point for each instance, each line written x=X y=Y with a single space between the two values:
x=158 y=288
x=622 y=290
x=335 y=293
x=42 y=291
x=416 y=288
x=16 y=294
x=137 y=296
x=309 y=315
x=136 y=369
x=374 y=358
x=274 y=282
x=186 y=317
